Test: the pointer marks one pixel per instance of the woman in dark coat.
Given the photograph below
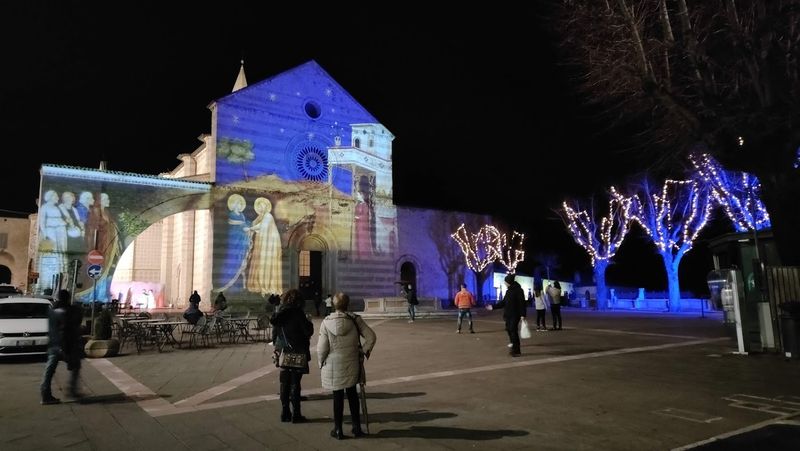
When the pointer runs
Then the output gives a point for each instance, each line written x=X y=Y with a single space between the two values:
x=291 y=329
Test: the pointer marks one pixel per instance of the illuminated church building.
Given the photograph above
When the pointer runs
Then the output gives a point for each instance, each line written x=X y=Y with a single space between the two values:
x=292 y=188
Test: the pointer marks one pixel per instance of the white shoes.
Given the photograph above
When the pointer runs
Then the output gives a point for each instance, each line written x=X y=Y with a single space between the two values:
x=510 y=345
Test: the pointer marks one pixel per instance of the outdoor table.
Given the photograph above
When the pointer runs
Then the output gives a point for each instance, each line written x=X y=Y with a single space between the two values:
x=242 y=328
x=163 y=332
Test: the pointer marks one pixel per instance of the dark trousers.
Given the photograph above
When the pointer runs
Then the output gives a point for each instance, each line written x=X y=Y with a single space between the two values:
x=338 y=408
x=512 y=327
x=556 y=312
x=290 y=392
x=540 y=319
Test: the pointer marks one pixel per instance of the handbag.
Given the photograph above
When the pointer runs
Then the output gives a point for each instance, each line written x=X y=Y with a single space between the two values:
x=524 y=331
x=290 y=360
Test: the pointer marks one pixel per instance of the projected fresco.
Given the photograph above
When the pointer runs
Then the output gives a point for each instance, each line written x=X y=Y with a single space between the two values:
x=297 y=156
x=85 y=210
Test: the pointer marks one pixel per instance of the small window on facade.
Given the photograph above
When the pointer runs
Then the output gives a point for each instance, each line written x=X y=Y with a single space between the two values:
x=3 y=240
x=305 y=263
x=371 y=143
x=357 y=143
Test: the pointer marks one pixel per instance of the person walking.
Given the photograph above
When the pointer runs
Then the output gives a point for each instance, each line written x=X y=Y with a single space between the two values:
x=292 y=330
x=328 y=304
x=513 y=304
x=554 y=293
x=340 y=354
x=541 y=309
x=64 y=322
x=464 y=301
x=411 y=296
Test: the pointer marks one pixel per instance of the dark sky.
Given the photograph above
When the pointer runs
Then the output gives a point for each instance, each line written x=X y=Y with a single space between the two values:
x=131 y=87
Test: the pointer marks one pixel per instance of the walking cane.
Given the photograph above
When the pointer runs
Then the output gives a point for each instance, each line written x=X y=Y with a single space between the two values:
x=363 y=396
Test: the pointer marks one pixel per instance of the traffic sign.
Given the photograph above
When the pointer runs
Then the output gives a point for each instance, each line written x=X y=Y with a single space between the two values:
x=94 y=257
x=94 y=271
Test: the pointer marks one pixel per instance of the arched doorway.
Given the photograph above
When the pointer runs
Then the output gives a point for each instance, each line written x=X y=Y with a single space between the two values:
x=5 y=274
x=408 y=273
x=310 y=269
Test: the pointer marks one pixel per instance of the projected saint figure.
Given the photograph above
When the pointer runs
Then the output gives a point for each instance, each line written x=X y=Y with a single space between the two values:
x=362 y=220
x=75 y=227
x=264 y=273
x=238 y=244
x=102 y=235
x=52 y=225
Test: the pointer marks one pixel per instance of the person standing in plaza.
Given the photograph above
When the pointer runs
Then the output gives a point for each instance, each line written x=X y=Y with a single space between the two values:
x=411 y=296
x=554 y=293
x=64 y=335
x=464 y=302
x=291 y=330
x=513 y=304
x=328 y=304
x=340 y=354
x=541 y=310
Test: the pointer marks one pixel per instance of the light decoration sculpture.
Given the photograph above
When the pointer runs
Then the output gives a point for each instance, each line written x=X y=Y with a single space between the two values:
x=673 y=219
x=480 y=249
x=600 y=239
x=737 y=193
x=490 y=245
x=510 y=253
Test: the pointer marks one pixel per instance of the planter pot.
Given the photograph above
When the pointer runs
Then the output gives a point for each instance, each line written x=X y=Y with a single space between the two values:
x=101 y=348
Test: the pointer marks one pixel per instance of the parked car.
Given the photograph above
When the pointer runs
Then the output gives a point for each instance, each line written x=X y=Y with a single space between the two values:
x=7 y=290
x=23 y=326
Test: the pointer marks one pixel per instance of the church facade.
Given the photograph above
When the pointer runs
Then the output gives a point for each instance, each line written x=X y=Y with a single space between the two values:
x=292 y=188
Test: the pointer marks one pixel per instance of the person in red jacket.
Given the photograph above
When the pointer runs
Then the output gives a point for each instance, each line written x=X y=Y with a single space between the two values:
x=464 y=301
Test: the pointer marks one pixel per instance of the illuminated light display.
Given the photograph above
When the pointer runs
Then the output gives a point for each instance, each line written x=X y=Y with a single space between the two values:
x=511 y=253
x=737 y=193
x=490 y=245
x=600 y=239
x=673 y=219
x=480 y=249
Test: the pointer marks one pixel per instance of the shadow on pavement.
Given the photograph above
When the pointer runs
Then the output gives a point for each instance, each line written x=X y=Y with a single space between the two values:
x=408 y=417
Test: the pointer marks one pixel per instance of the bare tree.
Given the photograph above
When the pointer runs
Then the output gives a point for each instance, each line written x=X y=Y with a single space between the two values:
x=722 y=72
x=673 y=218
x=599 y=236
x=479 y=249
x=451 y=261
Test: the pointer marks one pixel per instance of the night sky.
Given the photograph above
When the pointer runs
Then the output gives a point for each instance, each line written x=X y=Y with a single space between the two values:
x=131 y=87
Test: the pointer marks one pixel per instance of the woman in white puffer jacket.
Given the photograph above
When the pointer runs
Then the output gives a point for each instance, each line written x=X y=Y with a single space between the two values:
x=340 y=350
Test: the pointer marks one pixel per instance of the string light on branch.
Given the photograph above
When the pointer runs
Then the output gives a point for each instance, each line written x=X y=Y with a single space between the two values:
x=737 y=193
x=600 y=239
x=674 y=217
x=489 y=245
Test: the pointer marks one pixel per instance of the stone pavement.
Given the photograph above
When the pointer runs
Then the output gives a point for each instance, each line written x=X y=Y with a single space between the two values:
x=609 y=381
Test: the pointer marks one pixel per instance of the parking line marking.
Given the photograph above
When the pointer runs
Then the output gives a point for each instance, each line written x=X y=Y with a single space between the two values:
x=225 y=387
x=147 y=399
x=697 y=417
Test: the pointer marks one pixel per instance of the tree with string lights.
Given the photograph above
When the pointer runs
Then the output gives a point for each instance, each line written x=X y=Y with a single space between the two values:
x=673 y=218
x=509 y=252
x=737 y=193
x=487 y=246
x=479 y=249
x=599 y=236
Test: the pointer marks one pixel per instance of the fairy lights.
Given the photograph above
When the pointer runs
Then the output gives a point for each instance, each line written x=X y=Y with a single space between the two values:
x=600 y=239
x=489 y=245
x=675 y=217
x=737 y=193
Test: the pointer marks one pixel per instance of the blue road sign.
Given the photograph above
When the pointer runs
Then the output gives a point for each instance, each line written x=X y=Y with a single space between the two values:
x=94 y=271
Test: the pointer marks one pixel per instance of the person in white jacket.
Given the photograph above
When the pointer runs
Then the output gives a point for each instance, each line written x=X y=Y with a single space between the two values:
x=340 y=353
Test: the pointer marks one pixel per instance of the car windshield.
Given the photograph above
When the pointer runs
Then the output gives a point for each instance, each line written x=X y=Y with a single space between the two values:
x=23 y=310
